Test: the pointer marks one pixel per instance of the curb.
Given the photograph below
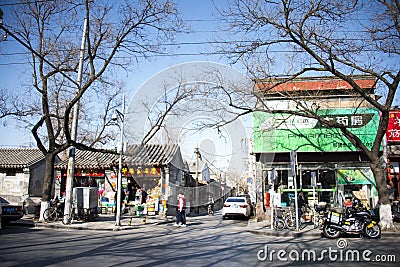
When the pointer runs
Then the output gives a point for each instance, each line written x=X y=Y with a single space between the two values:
x=92 y=226
x=306 y=234
x=286 y=233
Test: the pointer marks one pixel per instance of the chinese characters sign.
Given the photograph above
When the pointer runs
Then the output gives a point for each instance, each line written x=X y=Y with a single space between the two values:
x=283 y=132
x=393 y=130
x=145 y=171
x=88 y=172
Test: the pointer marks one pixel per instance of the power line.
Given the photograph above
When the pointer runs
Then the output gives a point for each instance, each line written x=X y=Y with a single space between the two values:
x=185 y=54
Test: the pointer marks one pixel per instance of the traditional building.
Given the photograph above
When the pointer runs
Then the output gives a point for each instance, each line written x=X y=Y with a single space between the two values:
x=158 y=169
x=329 y=167
x=22 y=172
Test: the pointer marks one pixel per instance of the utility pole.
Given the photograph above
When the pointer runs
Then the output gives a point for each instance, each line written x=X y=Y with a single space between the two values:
x=121 y=151
x=293 y=165
x=197 y=179
x=74 y=129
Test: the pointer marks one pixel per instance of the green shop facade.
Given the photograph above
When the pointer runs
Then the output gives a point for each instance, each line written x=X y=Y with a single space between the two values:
x=329 y=168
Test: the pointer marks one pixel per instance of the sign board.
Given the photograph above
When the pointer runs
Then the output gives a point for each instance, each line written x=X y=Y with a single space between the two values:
x=356 y=176
x=285 y=132
x=393 y=130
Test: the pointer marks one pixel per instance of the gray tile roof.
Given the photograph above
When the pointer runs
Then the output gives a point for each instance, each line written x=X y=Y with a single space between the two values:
x=90 y=160
x=153 y=155
x=19 y=157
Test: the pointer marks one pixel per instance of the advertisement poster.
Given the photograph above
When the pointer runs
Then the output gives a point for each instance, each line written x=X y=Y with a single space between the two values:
x=283 y=132
x=358 y=176
x=393 y=130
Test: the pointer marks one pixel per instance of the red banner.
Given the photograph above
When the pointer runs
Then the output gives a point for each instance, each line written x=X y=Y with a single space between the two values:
x=393 y=130
x=89 y=173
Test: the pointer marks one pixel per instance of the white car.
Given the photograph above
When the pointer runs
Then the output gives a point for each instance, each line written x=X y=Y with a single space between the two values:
x=236 y=206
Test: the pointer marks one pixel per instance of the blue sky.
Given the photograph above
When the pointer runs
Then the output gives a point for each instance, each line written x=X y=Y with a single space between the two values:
x=200 y=16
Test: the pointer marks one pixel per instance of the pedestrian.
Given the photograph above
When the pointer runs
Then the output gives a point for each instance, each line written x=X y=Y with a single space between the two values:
x=178 y=213
x=123 y=196
x=210 y=204
x=301 y=203
x=181 y=211
x=143 y=196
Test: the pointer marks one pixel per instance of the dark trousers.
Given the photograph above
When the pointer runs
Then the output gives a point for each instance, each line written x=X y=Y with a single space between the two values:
x=183 y=216
x=180 y=217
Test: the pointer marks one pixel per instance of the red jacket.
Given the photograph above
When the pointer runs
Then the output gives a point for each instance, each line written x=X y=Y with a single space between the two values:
x=181 y=203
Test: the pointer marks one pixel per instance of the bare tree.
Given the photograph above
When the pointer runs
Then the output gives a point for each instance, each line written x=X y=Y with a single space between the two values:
x=119 y=33
x=324 y=37
x=11 y=106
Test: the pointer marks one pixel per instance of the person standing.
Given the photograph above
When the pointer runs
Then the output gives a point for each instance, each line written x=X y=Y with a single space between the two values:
x=182 y=207
x=143 y=196
x=210 y=204
x=181 y=211
x=301 y=203
x=178 y=213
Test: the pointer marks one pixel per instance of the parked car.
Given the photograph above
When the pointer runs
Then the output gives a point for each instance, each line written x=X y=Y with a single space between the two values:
x=10 y=212
x=247 y=196
x=236 y=206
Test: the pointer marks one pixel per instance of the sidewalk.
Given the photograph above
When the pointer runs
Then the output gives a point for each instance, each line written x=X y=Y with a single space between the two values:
x=104 y=222
x=264 y=228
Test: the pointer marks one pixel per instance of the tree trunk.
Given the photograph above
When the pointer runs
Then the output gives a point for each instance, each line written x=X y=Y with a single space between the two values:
x=385 y=211
x=47 y=184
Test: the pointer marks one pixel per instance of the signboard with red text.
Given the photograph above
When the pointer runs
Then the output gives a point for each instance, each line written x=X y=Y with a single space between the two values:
x=393 y=130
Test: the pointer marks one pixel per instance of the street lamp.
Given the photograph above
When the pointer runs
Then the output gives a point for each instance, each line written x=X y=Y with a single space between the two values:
x=119 y=115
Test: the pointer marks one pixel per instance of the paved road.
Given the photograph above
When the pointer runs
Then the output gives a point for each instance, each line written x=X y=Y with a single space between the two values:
x=207 y=241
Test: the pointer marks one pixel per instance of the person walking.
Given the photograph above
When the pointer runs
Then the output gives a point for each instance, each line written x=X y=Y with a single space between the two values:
x=181 y=211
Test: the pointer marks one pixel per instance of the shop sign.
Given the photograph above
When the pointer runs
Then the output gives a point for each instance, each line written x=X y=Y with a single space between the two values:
x=88 y=172
x=143 y=171
x=393 y=130
x=357 y=176
x=284 y=132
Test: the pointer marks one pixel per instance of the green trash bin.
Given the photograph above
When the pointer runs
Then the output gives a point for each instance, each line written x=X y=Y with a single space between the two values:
x=139 y=210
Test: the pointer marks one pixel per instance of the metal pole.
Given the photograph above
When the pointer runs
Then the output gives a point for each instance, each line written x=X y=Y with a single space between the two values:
x=197 y=209
x=74 y=128
x=119 y=180
x=296 y=203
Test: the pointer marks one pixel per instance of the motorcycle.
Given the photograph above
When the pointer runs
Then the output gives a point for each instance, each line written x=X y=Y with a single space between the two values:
x=352 y=221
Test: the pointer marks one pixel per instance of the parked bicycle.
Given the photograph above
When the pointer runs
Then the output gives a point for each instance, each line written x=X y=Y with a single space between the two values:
x=290 y=219
x=54 y=212
x=78 y=213
x=320 y=214
x=279 y=223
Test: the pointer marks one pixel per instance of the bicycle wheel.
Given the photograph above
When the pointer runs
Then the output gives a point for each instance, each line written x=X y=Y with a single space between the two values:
x=279 y=224
x=290 y=222
x=68 y=219
x=50 y=215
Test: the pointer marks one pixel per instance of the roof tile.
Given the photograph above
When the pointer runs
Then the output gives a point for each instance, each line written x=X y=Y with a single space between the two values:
x=19 y=157
x=150 y=154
